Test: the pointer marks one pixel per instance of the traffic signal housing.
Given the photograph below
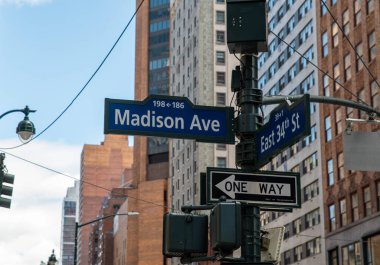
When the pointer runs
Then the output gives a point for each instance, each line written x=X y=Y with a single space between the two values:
x=225 y=227
x=185 y=235
x=5 y=189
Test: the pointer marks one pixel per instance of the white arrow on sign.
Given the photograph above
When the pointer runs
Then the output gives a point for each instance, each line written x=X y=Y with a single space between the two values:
x=231 y=187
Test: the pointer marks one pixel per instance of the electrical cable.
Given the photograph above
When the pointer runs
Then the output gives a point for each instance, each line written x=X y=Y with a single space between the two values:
x=74 y=178
x=319 y=69
x=138 y=199
x=85 y=85
x=350 y=43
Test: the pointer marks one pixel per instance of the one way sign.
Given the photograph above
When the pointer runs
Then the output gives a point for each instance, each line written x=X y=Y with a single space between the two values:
x=266 y=188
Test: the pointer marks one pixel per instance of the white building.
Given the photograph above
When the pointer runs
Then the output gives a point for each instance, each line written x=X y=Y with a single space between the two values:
x=200 y=71
x=282 y=71
x=69 y=217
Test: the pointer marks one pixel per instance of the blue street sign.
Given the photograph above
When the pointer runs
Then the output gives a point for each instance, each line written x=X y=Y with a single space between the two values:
x=169 y=116
x=286 y=125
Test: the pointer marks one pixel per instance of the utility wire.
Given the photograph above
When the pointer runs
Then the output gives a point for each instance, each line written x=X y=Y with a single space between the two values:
x=82 y=181
x=138 y=199
x=85 y=85
x=317 y=67
x=350 y=43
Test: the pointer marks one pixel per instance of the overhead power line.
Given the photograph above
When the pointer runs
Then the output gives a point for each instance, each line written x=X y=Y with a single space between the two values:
x=85 y=85
x=319 y=69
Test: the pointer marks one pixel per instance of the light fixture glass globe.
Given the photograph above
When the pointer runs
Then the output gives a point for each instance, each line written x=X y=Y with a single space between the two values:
x=25 y=130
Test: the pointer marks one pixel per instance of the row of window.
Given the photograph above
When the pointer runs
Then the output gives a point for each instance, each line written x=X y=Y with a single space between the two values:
x=292 y=22
x=302 y=251
x=352 y=254
x=158 y=26
x=296 y=67
x=342 y=211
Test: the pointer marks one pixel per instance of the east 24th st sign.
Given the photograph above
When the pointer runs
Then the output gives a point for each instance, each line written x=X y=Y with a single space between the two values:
x=169 y=116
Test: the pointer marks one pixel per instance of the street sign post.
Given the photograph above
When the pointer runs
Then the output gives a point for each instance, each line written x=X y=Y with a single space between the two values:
x=286 y=125
x=265 y=188
x=169 y=116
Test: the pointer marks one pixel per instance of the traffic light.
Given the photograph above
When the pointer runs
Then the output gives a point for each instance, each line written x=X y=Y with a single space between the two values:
x=185 y=235
x=225 y=227
x=6 y=190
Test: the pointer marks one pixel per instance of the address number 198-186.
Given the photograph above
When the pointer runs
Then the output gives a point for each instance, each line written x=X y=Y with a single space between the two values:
x=168 y=104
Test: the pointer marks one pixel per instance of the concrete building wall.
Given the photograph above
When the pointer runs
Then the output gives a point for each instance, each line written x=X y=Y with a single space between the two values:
x=282 y=71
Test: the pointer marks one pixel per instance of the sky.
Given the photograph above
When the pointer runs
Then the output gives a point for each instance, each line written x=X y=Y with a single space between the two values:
x=48 y=51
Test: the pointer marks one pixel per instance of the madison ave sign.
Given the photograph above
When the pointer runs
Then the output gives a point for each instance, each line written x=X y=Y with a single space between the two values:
x=169 y=116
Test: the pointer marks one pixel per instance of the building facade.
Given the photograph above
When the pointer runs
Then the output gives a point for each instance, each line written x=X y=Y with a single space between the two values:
x=200 y=69
x=69 y=217
x=351 y=197
x=292 y=29
x=101 y=166
x=101 y=242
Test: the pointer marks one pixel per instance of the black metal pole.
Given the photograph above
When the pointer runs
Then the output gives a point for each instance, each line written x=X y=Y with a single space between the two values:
x=249 y=120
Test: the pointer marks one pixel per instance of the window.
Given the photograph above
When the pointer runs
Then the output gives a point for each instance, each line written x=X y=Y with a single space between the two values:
x=286 y=231
x=221 y=162
x=220 y=99
x=312 y=218
x=219 y=17
x=347 y=67
x=287 y=257
x=219 y=1
x=323 y=7
x=326 y=89
x=359 y=51
x=325 y=48
x=313 y=247
x=338 y=120
x=375 y=95
x=220 y=57
x=378 y=195
x=298 y=253
x=220 y=78
x=310 y=163
x=221 y=147
x=340 y=166
x=371 y=46
x=297 y=226
x=330 y=172
x=371 y=248
x=361 y=96
x=357 y=12
x=367 y=201
x=328 y=133
x=334 y=32
x=336 y=76
x=351 y=254
x=346 y=20
x=220 y=37
x=370 y=6
x=343 y=212
x=332 y=220
x=354 y=207
x=310 y=191
x=333 y=2
x=333 y=257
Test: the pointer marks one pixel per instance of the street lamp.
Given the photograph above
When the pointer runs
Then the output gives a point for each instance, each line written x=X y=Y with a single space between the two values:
x=25 y=128
x=77 y=226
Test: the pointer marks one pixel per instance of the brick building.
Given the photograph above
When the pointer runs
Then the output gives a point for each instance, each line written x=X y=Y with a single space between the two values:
x=102 y=166
x=351 y=198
